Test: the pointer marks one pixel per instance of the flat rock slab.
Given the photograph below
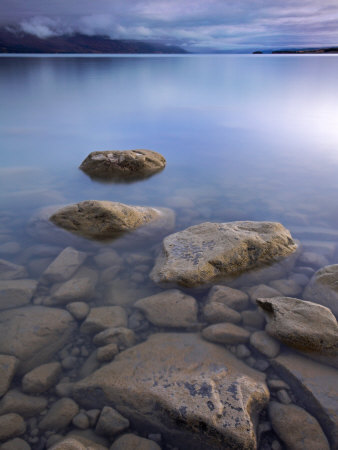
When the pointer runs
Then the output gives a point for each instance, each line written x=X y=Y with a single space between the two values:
x=34 y=334
x=120 y=165
x=15 y=293
x=10 y=271
x=171 y=308
x=103 y=219
x=323 y=288
x=195 y=392
x=211 y=251
x=316 y=386
x=64 y=265
x=306 y=326
x=104 y=317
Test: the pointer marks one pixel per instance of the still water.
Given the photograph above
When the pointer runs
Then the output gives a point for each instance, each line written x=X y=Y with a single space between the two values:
x=246 y=137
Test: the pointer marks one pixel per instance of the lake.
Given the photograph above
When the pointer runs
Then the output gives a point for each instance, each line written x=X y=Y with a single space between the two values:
x=245 y=137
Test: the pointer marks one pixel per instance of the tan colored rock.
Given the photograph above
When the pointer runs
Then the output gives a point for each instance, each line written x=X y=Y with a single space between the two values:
x=11 y=425
x=323 y=288
x=104 y=317
x=121 y=336
x=265 y=344
x=77 y=443
x=208 y=252
x=287 y=287
x=104 y=219
x=171 y=308
x=233 y=298
x=8 y=366
x=133 y=442
x=123 y=164
x=15 y=293
x=178 y=378
x=26 y=405
x=80 y=287
x=34 y=334
x=316 y=385
x=262 y=291
x=41 y=378
x=111 y=422
x=253 y=319
x=107 y=352
x=79 y=310
x=306 y=326
x=15 y=444
x=64 y=265
x=226 y=333
x=10 y=271
x=215 y=312
x=60 y=415
x=297 y=428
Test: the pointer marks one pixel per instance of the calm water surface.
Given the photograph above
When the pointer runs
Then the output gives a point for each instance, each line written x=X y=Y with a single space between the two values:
x=246 y=137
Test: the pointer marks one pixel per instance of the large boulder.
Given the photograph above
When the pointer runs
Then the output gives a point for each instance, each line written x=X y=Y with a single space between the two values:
x=194 y=392
x=123 y=165
x=306 y=326
x=208 y=252
x=323 y=288
x=315 y=385
x=103 y=219
x=34 y=334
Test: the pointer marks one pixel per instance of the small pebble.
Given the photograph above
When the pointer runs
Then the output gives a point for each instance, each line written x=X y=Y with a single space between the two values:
x=81 y=421
x=242 y=351
x=284 y=397
x=262 y=365
x=69 y=362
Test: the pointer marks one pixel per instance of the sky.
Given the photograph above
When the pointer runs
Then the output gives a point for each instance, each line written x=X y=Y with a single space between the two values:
x=195 y=25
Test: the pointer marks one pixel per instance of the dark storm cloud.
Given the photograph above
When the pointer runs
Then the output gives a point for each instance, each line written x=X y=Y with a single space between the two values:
x=198 y=24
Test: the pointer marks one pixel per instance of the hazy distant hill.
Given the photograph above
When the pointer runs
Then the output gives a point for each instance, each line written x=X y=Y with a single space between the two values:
x=20 y=42
x=311 y=50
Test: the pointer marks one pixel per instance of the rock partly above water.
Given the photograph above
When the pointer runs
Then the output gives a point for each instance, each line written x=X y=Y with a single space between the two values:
x=210 y=251
x=316 y=386
x=180 y=384
x=123 y=165
x=323 y=288
x=34 y=334
x=303 y=325
x=103 y=219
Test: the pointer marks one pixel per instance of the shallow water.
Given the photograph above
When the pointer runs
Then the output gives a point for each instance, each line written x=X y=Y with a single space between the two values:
x=246 y=137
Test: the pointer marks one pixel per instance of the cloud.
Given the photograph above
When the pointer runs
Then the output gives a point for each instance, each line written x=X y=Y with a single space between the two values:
x=193 y=24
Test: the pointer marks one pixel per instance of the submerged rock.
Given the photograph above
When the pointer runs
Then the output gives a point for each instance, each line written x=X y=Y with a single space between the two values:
x=303 y=325
x=11 y=425
x=316 y=386
x=34 y=334
x=208 y=252
x=15 y=293
x=64 y=265
x=104 y=219
x=171 y=308
x=123 y=164
x=10 y=271
x=132 y=442
x=323 y=288
x=297 y=428
x=193 y=391
x=8 y=366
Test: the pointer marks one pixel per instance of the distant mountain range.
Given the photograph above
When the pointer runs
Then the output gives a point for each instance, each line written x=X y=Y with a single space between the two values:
x=19 y=42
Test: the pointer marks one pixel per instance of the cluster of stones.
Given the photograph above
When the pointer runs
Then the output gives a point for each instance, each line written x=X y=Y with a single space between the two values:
x=89 y=350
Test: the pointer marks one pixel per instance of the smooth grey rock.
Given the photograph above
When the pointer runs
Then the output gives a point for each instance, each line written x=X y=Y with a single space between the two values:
x=132 y=442
x=104 y=317
x=8 y=366
x=34 y=334
x=226 y=333
x=80 y=287
x=171 y=308
x=265 y=344
x=64 y=265
x=41 y=378
x=111 y=422
x=121 y=292
x=262 y=291
x=11 y=425
x=207 y=252
x=316 y=385
x=277 y=384
x=215 y=312
x=287 y=287
x=26 y=405
x=233 y=298
x=108 y=258
x=79 y=310
x=10 y=271
x=15 y=444
x=297 y=428
x=103 y=219
x=253 y=319
x=123 y=164
x=81 y=421
x=283 y=397
x=323 y=288
x=312 y=259
x=180 y=377
x=15 y=293
x=306 y=326
x=60 y=415
x=107 y=352
x=90 y=365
